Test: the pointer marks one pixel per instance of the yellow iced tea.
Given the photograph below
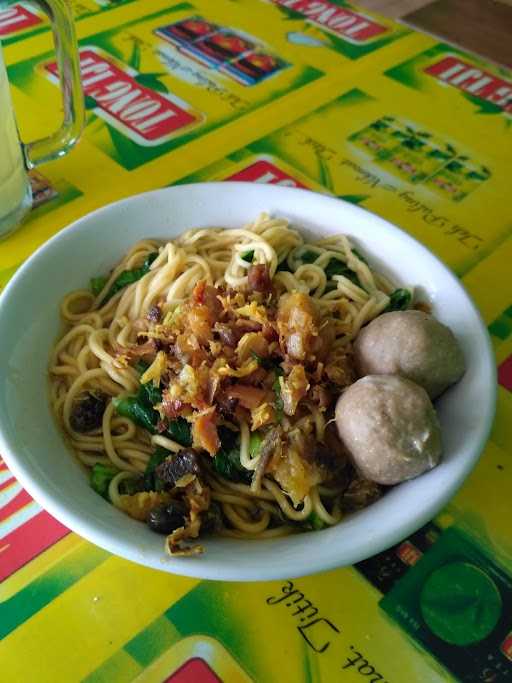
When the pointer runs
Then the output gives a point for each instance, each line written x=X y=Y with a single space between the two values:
x=14 y=186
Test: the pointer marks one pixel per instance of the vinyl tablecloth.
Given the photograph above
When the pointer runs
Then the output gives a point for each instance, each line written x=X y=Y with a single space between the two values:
x=317 y=94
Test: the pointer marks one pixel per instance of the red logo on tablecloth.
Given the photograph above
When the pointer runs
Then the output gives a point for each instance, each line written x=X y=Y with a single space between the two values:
x=408 y=553
x=265 y=172
x=25 y=528
x=473 y=80
x=505 y=373
x=194 y=671
x=144 y=114
x=506 y=646
x=16 y=18
x=353 y=26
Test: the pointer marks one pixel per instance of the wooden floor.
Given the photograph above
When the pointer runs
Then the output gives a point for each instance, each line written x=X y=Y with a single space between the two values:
x=481 y=26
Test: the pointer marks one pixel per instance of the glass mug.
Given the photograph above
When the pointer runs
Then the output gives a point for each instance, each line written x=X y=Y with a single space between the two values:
x=17 y=158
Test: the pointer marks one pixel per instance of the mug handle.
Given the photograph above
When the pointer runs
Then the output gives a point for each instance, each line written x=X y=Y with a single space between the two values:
x=68 y=63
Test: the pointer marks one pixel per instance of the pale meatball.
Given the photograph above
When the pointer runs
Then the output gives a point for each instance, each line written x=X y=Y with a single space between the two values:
x=389 y=427
x=412 y=344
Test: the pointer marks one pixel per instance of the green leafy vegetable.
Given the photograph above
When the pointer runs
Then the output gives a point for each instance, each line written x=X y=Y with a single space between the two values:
x=179 y=430
x=227 y=464
x=227 y=461
x=101 y=476
x=359 y=255
x=151 y=481
x=399 y=300
x=228 y=438
x=247 y=256
x=128 y=277
x=267 y=363
x=97 y=284
x=149 y=395
x=261 y=361
x=283 y=266
x=141 y=366
x=278 y=403
x=137 y=412
x=314 y=522
x=255 y=444
x=309 y=256
x=337 y=267
x=140 y=409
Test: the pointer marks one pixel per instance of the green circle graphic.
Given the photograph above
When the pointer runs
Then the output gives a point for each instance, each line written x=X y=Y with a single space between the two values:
x=460 y=603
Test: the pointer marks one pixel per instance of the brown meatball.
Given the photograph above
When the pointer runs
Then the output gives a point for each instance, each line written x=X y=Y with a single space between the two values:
x=390 y=428
x=414 y=345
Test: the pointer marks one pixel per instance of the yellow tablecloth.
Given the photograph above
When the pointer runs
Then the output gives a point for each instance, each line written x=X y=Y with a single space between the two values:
x=309 y=93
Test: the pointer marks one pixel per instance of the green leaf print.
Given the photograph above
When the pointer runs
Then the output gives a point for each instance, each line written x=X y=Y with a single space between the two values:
x=134 y=59
x=354 y=198
x=484 y=107
x=152 y=81
x=324 y=175
x=90 y=102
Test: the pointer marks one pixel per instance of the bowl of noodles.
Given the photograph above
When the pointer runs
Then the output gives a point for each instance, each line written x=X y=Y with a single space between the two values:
x=173 y=363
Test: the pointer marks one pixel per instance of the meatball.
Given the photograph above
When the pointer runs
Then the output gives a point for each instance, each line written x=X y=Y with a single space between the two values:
x=414 y=345
x=389 y=427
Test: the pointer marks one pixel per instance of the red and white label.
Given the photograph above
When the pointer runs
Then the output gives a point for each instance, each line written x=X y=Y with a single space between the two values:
x=17 y=18
x=353 y=26
x=470 y=79
x=26 y=530
x=263 y=171
x=408 y=553
x=147 y=116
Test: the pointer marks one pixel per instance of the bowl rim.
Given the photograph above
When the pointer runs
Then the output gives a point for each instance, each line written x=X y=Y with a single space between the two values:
x=222 y=570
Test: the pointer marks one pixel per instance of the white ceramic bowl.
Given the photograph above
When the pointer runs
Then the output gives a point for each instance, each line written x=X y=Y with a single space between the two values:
x=34 y=449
